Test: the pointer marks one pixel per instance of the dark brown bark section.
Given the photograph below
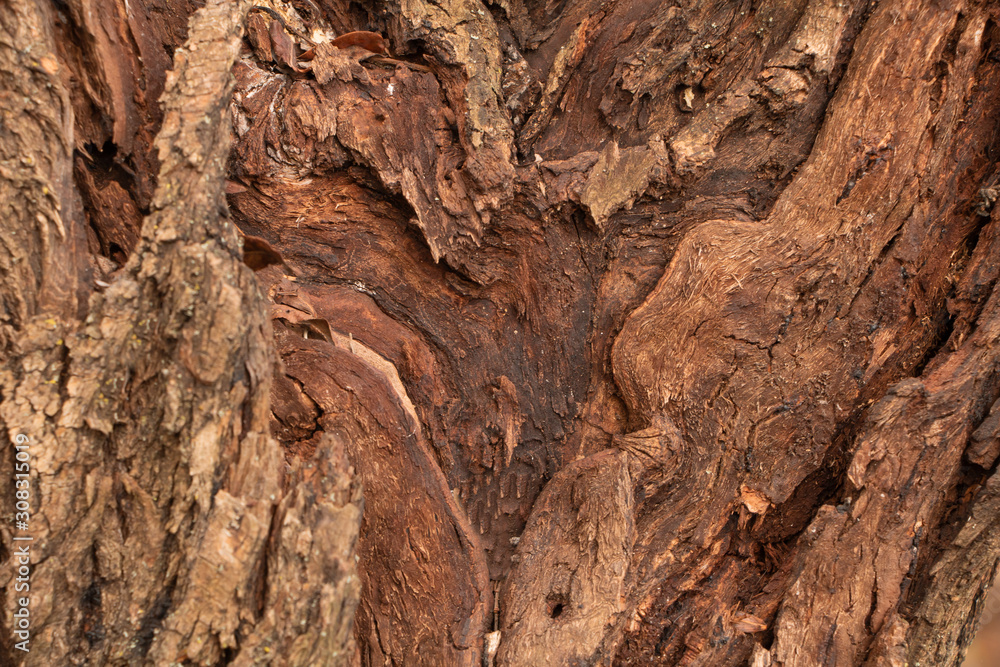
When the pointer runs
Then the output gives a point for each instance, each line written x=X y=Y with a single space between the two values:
x=423 y=570
x=788 y=305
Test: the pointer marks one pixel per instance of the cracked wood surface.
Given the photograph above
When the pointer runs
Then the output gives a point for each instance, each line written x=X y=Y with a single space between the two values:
x=671 y=327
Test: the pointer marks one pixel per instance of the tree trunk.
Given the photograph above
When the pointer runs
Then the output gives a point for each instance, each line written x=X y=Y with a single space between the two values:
x=649 y=333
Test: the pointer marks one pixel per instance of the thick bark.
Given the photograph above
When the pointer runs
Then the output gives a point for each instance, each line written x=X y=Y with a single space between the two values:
x=653 y=333
x=155 y=488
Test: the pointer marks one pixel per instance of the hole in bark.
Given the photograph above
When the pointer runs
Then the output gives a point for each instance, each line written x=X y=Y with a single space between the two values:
x=90 y=606
x=117 y=253
x=101 y=157
x=558 y=602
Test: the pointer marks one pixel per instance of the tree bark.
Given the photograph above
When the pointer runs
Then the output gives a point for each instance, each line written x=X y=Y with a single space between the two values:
x=564 y=333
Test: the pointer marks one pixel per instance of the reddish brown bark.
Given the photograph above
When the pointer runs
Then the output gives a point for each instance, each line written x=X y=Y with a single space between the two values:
x=650 y=334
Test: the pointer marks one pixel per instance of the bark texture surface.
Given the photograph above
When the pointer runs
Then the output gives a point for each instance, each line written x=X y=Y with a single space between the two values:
x=577 y=332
